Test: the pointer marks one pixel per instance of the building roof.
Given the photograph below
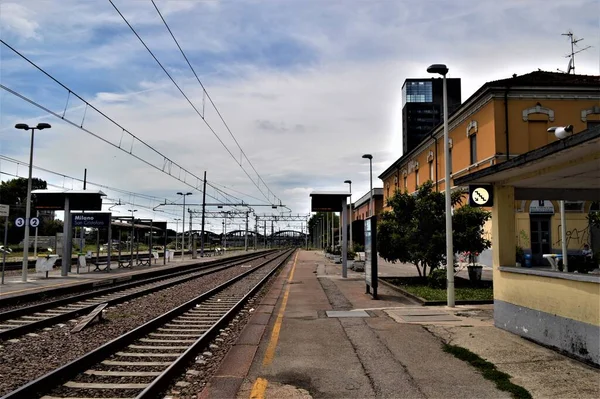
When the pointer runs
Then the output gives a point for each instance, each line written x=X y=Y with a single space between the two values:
x=566 y=169
x=377 y=192
x=537 y=79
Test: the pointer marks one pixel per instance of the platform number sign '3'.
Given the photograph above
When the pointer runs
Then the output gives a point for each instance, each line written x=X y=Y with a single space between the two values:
x=481 y=195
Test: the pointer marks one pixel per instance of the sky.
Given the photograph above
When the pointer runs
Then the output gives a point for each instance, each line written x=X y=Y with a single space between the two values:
x=304 y=89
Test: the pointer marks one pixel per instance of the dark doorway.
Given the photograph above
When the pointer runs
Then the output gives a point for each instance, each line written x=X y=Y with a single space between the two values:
x=541 y=242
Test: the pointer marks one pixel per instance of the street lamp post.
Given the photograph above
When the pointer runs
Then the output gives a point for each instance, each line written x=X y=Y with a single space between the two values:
x=370 y=158
x=443 y=70
x=183 y=224
x=351 y=218
x=176 y=228
x=132 y=232
x=23 y=126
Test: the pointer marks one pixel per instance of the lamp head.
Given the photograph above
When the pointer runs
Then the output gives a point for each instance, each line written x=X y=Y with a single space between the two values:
x=188 y=193
x=561 y=132
x=180 y=193
x=442 y=69
x=22 y=126
x=368 y=156
x=42 y=126
x=348 y=181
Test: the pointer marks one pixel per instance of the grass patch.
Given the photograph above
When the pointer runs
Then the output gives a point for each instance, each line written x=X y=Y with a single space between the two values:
x=489 y=371
x=439 y=294
x=464 y=290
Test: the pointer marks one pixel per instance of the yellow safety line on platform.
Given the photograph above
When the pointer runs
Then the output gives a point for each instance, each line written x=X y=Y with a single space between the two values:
x=259 y=388
x=260 y=385
x=270 y=354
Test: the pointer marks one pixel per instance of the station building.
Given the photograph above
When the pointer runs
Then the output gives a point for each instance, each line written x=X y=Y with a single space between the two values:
x=499 y=136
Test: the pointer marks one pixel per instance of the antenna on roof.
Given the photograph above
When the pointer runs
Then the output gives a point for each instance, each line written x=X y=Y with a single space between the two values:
x=571 y=56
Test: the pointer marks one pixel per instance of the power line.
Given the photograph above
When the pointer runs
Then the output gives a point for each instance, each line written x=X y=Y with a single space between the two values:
x=167 y=162
x=194 y=107
x=205 y=92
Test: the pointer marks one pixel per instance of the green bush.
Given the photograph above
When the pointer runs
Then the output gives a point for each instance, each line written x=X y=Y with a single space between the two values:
x=437 y=278
x=359 y=247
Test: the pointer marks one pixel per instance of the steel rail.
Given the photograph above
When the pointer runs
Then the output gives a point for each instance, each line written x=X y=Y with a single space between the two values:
x=116 y=279
x=35 y=325
x=53 y=379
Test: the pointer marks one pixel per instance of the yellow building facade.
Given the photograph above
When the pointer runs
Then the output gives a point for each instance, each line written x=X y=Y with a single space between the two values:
x=499 y=136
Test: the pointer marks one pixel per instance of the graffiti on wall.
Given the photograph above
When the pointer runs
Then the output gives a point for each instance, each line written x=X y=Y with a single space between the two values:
x=574 y=237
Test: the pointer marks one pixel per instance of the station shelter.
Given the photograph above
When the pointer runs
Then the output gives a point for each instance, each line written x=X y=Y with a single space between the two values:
x=558 y=308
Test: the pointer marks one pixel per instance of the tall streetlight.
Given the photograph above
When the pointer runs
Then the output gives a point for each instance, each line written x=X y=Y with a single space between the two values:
x=370 y=158
x=443 y=70
x=176 y=228
x=351 y=217
x=183 y=223
x=23 y=126
x=132 y=231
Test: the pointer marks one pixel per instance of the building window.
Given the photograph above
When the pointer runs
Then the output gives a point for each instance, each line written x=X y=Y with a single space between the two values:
x=473 y=144
x=431 y=170
x=405 y=182
x=574 y=206
x=416 y=178
x=592 y=124
x=417 y=92
x=450 y=158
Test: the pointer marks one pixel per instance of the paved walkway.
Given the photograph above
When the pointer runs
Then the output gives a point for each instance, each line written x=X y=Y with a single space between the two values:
x=318 y=335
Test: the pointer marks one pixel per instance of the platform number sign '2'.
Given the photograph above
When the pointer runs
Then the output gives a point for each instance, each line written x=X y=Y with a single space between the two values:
x=481 y=195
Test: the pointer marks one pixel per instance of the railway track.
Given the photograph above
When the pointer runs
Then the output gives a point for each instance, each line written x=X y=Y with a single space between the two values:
x=143 y=362
x=18 y=322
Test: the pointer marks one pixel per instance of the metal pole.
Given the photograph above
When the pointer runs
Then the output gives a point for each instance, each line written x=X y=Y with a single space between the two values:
x=351 y=217
x=333 y=231
x=5 y=247
x=183 y=228
x=66 y=255
x=371 y=205
x=344 y=237
x=246 y=236
x=132 y=235
x=447 y=184
x=272 y=235
x=27 y=214
x=176 y=228
x=203 y=210
x=563 y=233
x=256 y=233
x=37 y=215
x=265 y=232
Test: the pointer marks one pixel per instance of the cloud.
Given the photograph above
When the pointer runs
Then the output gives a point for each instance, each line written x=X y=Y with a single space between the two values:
x=306 y=87
x=21 y=22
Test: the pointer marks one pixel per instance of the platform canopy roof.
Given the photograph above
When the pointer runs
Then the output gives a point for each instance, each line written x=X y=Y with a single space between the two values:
x=328 y=201
x=567 y=169
x=80 y=200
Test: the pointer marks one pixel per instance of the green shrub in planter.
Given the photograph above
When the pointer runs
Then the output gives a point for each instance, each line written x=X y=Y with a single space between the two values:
x=437 y=278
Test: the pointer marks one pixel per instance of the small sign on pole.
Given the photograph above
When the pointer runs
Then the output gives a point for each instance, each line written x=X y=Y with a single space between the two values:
x=20 y=222
x=4 y=209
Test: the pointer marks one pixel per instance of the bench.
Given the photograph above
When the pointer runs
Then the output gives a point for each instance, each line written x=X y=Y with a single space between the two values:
x=124 y=263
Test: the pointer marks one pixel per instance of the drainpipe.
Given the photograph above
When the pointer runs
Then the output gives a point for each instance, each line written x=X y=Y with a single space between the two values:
x=506 y=122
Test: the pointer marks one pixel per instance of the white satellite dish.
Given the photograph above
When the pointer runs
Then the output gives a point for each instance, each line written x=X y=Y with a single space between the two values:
x=561 y=132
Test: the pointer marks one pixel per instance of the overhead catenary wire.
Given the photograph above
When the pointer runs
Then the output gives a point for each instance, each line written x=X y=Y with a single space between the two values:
x=210 y=99
x=194 y=107
x=166 y=159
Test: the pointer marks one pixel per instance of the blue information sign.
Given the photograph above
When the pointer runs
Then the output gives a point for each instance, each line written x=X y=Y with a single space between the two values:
x=91 y=219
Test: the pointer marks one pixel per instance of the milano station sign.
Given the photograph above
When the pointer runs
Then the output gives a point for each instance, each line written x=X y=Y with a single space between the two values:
x=91 y=219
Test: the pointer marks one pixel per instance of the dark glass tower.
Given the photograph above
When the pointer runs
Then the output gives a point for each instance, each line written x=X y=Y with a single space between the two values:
x=422 y=105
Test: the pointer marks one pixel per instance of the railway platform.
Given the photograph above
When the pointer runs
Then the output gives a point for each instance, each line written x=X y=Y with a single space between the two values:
x=38 y=282
x=318 y=335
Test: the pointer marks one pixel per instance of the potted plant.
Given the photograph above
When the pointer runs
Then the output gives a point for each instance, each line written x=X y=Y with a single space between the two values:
x=520 y=256
x=474 y=269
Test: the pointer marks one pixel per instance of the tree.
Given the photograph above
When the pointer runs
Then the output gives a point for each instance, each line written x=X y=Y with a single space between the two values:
x=14 y=193
x=467 y=224
x=414 y=230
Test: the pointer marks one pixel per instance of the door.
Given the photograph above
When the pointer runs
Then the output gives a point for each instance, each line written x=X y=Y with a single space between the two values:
x=541 y=242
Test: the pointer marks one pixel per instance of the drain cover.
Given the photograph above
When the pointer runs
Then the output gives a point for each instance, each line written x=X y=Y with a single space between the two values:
x=347 y=313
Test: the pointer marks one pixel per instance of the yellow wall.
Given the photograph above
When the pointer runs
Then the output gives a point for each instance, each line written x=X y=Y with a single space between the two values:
x=575 y=300
x=578 y=229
